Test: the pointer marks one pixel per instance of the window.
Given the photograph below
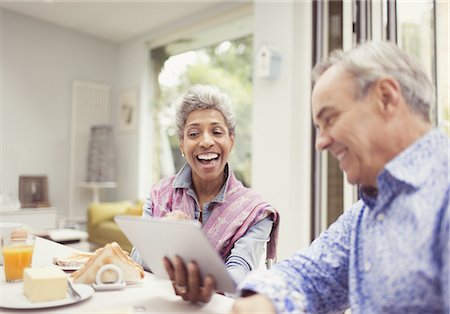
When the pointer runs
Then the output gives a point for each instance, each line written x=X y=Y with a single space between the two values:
x=418 y=27
x=228 y=65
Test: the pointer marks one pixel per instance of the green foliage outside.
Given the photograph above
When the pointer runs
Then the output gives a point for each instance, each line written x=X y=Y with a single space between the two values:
x=229 y=66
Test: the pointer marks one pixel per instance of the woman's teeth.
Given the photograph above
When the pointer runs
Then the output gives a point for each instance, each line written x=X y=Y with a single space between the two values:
x=207 y=157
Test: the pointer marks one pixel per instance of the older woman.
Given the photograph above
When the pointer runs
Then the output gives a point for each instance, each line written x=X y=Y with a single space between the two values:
x=207 y=190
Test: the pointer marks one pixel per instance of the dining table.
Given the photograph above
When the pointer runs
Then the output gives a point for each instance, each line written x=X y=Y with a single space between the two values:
x=150 y=295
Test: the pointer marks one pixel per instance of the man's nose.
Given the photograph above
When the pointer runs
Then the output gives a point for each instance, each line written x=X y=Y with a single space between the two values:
x=323 y=141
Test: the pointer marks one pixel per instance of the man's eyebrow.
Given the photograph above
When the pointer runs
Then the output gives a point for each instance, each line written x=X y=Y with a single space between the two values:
x=321 y=112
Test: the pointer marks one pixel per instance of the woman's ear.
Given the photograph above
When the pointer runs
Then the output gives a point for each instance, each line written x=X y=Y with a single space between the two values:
x=181 y=149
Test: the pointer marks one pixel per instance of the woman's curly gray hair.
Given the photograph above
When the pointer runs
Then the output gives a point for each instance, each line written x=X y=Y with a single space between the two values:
x=200 y=97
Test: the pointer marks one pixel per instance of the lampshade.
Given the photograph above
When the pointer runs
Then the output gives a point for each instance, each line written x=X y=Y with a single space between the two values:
x=101 y=154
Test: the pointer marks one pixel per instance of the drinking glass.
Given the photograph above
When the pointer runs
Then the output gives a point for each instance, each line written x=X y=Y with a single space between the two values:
x=6 y=228
x=17 y=255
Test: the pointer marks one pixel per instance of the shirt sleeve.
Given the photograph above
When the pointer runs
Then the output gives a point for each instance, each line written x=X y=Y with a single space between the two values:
x=247 y=252
x=314 y=280
x=147 y=212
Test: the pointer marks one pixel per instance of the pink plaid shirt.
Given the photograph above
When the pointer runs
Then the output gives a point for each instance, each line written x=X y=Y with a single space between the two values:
x=231 y=218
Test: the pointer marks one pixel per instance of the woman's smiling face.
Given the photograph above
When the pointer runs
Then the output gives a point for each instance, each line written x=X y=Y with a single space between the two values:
x=206 y=144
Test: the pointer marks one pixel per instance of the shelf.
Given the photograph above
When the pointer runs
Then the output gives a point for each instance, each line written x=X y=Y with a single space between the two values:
x=33 y=219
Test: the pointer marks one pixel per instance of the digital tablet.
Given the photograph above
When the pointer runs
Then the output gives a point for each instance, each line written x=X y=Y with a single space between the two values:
x=155 y=238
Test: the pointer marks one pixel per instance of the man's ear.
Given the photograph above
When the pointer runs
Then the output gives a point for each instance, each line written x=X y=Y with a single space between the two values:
x=388 y=93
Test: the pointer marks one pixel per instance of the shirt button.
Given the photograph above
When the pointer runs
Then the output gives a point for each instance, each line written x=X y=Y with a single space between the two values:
x=380 y=217
x=367 y=267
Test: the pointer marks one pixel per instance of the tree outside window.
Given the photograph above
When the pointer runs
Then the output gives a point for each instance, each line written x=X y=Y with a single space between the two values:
x=228 y=65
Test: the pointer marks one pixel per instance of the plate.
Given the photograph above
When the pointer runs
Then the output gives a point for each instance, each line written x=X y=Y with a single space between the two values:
x=63 y=235
x=12 y=297
x=68 y=268
x=72 y=262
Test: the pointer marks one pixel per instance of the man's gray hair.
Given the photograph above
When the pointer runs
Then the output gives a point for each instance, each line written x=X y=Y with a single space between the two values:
x=373 y=60
x=200 y=97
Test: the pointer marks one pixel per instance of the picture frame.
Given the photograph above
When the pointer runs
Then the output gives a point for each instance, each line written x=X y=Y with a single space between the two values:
x=33 y=191
x=128 y=110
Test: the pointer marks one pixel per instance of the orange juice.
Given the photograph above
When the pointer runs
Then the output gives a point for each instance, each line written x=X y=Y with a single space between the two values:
x=15 y=260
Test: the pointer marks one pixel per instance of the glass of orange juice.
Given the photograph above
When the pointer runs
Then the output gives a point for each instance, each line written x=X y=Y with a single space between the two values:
x=17 y=255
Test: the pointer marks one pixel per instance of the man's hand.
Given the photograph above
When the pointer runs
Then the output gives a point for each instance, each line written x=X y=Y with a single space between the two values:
x=187 y=281
x=256 y=303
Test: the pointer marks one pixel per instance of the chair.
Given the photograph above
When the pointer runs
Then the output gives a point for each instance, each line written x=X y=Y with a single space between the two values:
x=102 y=228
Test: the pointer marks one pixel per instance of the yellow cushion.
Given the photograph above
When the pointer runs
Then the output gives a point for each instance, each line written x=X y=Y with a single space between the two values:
x=107 y=232
x=106 y=211
x=135 y=210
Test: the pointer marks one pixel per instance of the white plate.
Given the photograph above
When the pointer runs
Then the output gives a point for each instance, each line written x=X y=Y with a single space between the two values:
x=12 y=297
x=68 y=268
x=61 y=235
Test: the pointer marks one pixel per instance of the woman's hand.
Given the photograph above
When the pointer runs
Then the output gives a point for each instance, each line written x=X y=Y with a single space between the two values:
x=176 y=214
x=256 y=303
x=187 y=281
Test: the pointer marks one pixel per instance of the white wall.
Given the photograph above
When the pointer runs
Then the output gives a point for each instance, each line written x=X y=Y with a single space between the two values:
x=135 y=176
x=2 y=183
x=134 y=148
x=281 y=153
x=281 y=120
x=281 y=146
x=39 y=62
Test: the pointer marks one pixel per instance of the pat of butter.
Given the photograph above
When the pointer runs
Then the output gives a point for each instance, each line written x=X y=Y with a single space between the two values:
x=44 y=284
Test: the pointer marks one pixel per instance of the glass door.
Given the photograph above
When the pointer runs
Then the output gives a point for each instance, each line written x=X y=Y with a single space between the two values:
x=413 y=25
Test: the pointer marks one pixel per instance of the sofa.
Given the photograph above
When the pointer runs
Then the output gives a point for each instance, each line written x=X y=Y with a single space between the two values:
x=102 y=228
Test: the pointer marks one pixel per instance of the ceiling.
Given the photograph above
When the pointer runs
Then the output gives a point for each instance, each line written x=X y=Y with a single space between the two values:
x=116 y=21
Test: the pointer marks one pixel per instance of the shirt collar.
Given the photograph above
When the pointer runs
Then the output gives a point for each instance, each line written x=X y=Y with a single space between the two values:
x=183 y=180
x=411 y=167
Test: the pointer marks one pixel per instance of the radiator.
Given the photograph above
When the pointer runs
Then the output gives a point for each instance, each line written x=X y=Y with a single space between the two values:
x=90 y=106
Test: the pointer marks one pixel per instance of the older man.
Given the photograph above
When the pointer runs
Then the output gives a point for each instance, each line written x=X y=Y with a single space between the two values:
x=390 y=252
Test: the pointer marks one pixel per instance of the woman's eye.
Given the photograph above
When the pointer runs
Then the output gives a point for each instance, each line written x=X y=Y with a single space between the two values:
x=218 y=131
x=192 y=133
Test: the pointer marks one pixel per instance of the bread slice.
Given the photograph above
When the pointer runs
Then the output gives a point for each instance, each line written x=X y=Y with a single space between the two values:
x=111 y=253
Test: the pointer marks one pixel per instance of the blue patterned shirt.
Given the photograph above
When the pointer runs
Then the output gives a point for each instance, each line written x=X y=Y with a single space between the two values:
x=390 y=253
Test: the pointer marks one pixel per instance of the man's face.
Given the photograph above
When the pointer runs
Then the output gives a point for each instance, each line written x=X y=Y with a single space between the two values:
x=348 y=128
